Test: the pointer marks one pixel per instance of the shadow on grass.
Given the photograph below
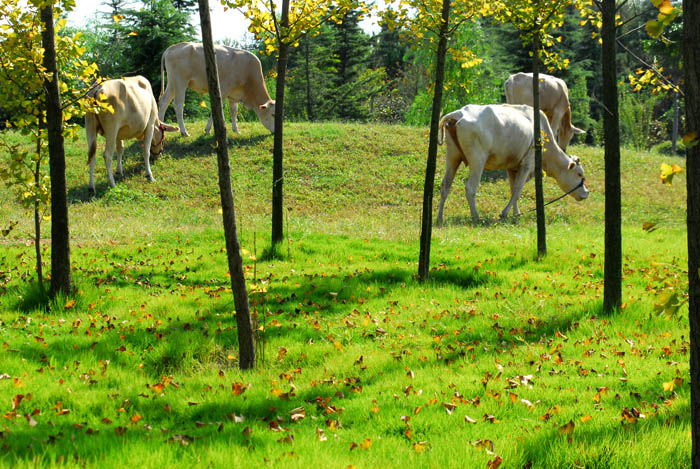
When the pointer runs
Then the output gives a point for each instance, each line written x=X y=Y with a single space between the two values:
x=205 y=145
x=81 y=194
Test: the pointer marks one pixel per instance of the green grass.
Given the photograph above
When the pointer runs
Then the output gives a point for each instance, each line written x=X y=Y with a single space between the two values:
x=350 y=335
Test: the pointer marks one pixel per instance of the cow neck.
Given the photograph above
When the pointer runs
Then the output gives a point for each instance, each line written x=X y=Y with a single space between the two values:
x=258 y=95
x=553 y=160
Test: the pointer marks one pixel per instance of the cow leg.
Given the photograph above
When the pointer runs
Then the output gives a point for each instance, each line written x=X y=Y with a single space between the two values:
x=92 y=175
x=179 y=110
x=233 y=109
x=451 y=166
x=147 y=153
x=511 y=179
x=110 y=147
x=120 y=152
x=517 y=184
x=472 y=183
x=165 y=101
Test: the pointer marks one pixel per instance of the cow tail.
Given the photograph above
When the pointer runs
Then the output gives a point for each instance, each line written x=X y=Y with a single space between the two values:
x=91 y=125
x=441 y=130
x=162 y=76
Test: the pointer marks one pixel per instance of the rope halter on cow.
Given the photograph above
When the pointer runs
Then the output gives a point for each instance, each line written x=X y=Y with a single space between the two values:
x=160 y=143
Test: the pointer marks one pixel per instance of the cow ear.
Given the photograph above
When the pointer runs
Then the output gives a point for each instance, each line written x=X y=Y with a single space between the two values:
x=263 y=106
x=577 y=130
x=572 y=165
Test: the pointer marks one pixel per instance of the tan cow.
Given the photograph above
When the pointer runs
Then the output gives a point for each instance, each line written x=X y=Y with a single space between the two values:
x=135 y=116
x=240 y=79
x=554 y=102
x=501 y=137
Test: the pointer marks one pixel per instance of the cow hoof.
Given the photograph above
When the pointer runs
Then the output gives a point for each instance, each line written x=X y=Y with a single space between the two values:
x=150 y=179
x=185 y=134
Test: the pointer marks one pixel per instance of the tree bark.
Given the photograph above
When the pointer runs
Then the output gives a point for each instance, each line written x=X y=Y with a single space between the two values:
x=612 y=294
x=674 y=125
x=429 y=184
x=246 y=344
x=309 y=103
x=60 y=236
x=37 y=215
x=691 y=61
x=278 y=150
x=539 y=192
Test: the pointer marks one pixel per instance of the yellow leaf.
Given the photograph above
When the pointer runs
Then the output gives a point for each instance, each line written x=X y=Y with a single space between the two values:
x=203 y=104
x=586 y=418
x=338 y=345
x=133 y=33
x=567 y=429
x=69 y=304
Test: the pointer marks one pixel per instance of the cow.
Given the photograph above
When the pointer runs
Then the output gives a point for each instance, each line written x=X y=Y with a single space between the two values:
x=240 y=79
x=135 y=115
x=554 y=102
x=501 y=137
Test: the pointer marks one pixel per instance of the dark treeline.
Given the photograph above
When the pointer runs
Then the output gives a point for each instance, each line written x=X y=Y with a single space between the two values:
x=344 y=73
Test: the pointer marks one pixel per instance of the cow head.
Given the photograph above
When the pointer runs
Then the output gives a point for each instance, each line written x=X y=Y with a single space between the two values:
x=159 y=138
x=266 y=114
x=566 y=133
x=571 y=179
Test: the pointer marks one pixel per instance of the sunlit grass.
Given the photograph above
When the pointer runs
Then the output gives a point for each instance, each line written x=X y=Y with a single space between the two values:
x=387 y=370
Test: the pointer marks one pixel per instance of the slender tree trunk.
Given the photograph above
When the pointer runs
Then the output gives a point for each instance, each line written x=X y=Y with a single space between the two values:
x=612 y=295
x=429 y=184
x=309 y=104
x=60 y=237
x=691 y=64
x=539 y=192
x=246 y=344
x=278 y=150
x=674 y=128
x=37 y=215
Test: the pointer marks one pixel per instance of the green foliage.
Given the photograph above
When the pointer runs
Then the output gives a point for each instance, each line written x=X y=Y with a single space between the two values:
x=637 y=118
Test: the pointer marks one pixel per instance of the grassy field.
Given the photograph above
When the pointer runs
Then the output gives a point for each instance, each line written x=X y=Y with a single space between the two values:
x=498 y=359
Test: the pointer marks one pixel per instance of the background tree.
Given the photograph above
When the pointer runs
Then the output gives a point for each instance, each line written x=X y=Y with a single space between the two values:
x=246 y=343
x=280 y=33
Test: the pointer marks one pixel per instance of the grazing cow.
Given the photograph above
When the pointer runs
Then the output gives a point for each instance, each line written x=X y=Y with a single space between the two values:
x=554 y=102
x=501 y=137
x=240 y=79
x=135 y=116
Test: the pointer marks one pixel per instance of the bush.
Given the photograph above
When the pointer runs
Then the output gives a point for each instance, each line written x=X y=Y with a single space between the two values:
x=664 y=148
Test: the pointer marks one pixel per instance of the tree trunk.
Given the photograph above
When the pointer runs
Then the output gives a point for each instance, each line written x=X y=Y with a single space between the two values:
x=37 y=215
x=278 y=150
x=691 y=61
x=309 y=104
x=612 y=295
x=674 y=128
x=246 y=345
x=429 y=184
x=60 y=237
x=539 y=192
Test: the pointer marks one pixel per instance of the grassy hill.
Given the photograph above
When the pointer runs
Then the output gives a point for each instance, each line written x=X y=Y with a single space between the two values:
x=498 y=357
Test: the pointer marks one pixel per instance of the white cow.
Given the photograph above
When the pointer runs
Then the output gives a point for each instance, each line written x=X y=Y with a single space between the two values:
x=501 y=137
x=554 y=102
x=135 y=116
x=240 y=79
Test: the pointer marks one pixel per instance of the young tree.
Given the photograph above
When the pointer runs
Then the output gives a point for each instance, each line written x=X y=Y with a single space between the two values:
x=691 y=60
x=246 y=344
x=428 y=24
x=535 y=20
x=612 y=294
x=280 y=32
x=34 y=71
